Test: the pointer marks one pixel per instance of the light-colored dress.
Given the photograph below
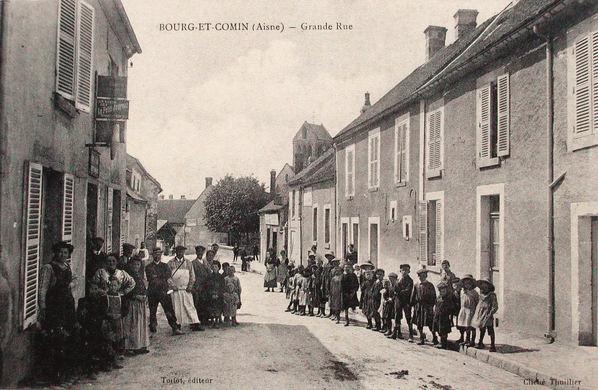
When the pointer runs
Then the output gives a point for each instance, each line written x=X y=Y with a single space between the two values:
x=232 y=293
x=484 y=312
x=299 y=289
x=135 y=323
x=469 y=302
x=182 y=300
x=282 y=271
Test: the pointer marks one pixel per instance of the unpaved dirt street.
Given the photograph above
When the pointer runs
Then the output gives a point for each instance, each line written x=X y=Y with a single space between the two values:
x=272 y=349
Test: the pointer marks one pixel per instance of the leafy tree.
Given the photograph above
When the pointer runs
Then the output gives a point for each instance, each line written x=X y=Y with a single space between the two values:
x=233 y=204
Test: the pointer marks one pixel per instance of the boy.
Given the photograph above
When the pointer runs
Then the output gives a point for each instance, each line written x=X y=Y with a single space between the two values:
x=424 y=298
x=402 y=296
x=388 y=305
x=442 y=313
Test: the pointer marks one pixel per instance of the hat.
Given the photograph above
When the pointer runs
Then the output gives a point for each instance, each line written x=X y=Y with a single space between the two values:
x=180 y=247
x=467 y=276
x=310 y=254
x=368 y=265
x=445 y=262
x=62 y=244
x=485 y=281
x=200 y=248
x=356 y=266
x=455 y=280
x=404 y=266
x=422 y=271
x=157 y=249
x=329 y=252
x=392 y=275
x=442 y=284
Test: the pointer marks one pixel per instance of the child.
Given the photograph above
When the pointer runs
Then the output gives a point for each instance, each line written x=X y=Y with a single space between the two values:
x=388 y=304
x=301 y=286
x=483 y=317
x=231 y=296
x=402 y=298
x=446 y=275
x=316 y=289
x=424 y=298
x=336 y=294
x=377 y=298
x=457 y=287
x=214 y=288
x=469 y=301
x=291 y=289
x=298 y=281
x=309 y=289
x=366 y=294
x=442 y=313
x=349 y=286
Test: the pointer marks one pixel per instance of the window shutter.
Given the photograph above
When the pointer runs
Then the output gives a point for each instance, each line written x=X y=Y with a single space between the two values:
x=484 y=122
x=595 y=81
x=439 y=232
x=123 y=225
x=503 y=104
x=109 y=200
x=434 y=140
x=65 y=58
x=423 y=232
x=85 y=56
x=68 y=201
x=32 y=243
x=582 y=87
x=397 y=154
x=403 y=162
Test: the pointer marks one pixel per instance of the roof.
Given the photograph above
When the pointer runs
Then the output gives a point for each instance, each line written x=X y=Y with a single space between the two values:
x=174 y=210
x=271 y=207
x=319 y=131
x=458 y=53
x=137 y=198
x=133 y=160
x=321 y=169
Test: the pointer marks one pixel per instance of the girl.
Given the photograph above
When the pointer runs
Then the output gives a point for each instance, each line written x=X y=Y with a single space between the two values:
x=336 y=297
x=483 y=317
x=424 y=297
x=446 y=275
x=442 y=313
x=349 y=287
x=317 y=291
x=388 y=305
x=366 y=295
x=291 y=290
x=270 y=275
x=299 y=288
x=377 y=298
x=135 y=324
x=457 y=287
x=298 y=281
x=469 y=302
x=307 y=287
x=282 y=271
x=215 y=288
x=231 y=296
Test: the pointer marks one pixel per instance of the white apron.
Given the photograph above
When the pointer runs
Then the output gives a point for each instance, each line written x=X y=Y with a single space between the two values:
x=184 y=309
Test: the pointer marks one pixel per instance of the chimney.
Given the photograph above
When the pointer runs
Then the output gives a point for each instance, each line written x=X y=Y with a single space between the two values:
x=170 y=196
x=273 y=182
x=162 y=197
x=208 y=181
x=183 y=197
x=435 y=37
x=465 y=21
x=366 y=103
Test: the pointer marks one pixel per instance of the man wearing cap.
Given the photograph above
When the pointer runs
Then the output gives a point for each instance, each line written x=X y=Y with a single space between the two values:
x=403 y=292
x=126 y=256
x=314 y=250
x=95 y=260
x=157 y=274
x=181 y=281
x=203 y=270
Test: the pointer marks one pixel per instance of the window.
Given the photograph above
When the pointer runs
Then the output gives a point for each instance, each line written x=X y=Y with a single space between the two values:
x=493 y=122
x=68 y=203
x=374 y=159
x=327 y=224
x=431 y=229
x=401 y=151
x=585 y=92
x=314 y=232
x=74 y=63
x=293 y=204
x=350 y=171
x=392 y=215
x=434 y=142
x=374 y=239
x=407 y=227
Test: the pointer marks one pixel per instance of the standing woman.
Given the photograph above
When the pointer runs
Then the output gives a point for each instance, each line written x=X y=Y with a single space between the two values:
x=57 y=311
x=270 y=275
x=282 y=270
x=135 y=323
x=349 y=286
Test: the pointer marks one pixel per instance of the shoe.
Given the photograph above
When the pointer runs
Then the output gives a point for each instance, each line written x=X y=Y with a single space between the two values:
x=375 y=329
x=198 y=329
x=177 y=332
x=472 y=344
x=311 y=314
x=388 y=333
x=492 y=348
x=421 y=342
x=116 y=366
x=287 y=310
x=435 y=341
x=440 y=346
x=400 y=336
x=368 y=326
x=410 y=339
x=346 y=324
x=479 y=346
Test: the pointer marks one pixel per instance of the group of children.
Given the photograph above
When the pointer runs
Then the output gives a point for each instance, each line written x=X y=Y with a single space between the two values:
x=457 y=303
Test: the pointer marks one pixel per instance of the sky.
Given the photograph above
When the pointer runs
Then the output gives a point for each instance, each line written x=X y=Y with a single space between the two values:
x=211 y=103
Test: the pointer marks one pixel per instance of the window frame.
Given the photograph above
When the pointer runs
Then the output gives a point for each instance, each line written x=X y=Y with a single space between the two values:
x=327 y=224
x=314 y=218
x=437 y=196
x=398 y=179
x=350 y=193
x=498 y=121
x=436 y=171
x=374 y=136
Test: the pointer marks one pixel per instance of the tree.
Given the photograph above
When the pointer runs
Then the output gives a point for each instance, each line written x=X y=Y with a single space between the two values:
x=233 y=204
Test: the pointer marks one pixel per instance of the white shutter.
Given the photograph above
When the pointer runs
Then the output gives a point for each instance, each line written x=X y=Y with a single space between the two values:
x=434 y=158
x=582 y=87
x=439 y=232
x=123 y=210
x=595 y=81
x=85 y=56
x=403 y=162
x=370 y=158
x=397 y=153
x=109 y=200
x=423 y=231
x=65 y=57
x=484 y=102
x=33 y=223
x=503 y=104
x=350 y=171
x=68 y=201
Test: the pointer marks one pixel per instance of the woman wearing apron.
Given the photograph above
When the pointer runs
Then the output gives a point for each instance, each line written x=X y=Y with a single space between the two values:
x=181 y=282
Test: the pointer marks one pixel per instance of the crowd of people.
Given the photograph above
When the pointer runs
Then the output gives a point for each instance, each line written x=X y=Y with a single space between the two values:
x=111 y=320
x=343 y=285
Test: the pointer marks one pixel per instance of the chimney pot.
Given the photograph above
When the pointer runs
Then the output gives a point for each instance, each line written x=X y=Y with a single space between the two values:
x=435 y=38
x=183 y=197
x=273 y=182
x=465 y=21
x=366 y=103
x=170 y=196
x=208 y=181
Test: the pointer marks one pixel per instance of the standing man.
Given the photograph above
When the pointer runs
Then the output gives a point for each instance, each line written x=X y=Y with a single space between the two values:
x=143 y=253
x=317 y=256
x=182 y=280
x=235 y=252
x=202 y=271
x=256 y=252
x=95 y=260
x=127 y=253
x=157 y=274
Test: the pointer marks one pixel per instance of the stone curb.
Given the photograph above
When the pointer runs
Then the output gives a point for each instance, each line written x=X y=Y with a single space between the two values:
x=516 y=368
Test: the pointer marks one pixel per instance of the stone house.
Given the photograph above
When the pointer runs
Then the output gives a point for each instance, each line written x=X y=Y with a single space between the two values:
x=171 y=220
x=62 y=171
x=485 y=156
x=195 y=231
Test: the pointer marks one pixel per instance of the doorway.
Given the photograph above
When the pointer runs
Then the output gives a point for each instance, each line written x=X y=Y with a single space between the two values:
x=92 y=211
x=344 y=237
x=374 y=239
x=275 y=240
x=594 y=283
x=52 y=212
x=355 y=235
